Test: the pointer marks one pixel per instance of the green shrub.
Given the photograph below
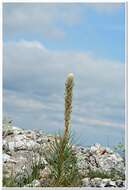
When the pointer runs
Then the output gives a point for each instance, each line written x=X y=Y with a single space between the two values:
x=62 y=163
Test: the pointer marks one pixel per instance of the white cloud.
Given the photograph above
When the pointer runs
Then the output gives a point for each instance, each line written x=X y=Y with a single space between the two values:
x=34 y=79
x=22 y=57
x=50 y=20
x=33 y=44
x=44 y=19
x=21 y=101
x=96 y=122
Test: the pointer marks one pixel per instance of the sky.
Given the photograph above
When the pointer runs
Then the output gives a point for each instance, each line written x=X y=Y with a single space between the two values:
x=43 y=42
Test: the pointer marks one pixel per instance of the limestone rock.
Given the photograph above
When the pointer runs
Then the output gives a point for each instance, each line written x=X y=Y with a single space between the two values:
x=25 y=149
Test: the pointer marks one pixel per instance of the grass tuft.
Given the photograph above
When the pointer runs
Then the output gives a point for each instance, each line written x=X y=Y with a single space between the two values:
x=63 y=163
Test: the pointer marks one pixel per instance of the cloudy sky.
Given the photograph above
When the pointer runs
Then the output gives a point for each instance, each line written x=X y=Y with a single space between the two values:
x=44 y=42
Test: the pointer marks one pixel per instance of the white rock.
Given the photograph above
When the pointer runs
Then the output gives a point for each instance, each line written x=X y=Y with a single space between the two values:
x=35 y=183
x=6 y=157
x=86 y=182
x=119 y=183
x=93 y=149
x=107 y=162
x=42 y=140
x=108 y=183
x=11 y=146
x=105 y=182
x=112 y=184
x=26 y=144
x=17 y=130
x=110 y=151
x=97 y=182
x=19 y=142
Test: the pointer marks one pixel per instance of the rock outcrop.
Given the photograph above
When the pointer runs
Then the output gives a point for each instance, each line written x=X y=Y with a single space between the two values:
x=24 y=149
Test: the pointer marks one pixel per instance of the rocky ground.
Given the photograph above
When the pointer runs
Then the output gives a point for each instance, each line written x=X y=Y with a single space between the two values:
x=99 y=166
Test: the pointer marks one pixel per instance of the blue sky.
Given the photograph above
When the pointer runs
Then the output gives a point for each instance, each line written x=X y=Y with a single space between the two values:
x=42 y=44
x=98 y=28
